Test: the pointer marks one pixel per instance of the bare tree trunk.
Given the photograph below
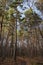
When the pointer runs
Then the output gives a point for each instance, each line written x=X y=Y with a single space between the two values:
x=16 y=43
x=1 y=36
x=40 y=32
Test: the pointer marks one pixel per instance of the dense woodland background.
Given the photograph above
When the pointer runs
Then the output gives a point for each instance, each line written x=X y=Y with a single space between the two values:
x=21 y=30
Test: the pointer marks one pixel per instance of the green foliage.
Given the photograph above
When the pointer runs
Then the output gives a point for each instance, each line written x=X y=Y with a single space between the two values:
x=18 y=0
x=21 y=32
x=40 y=1
x=34 y=19
x=9 y=13
x=15 y=3
x=29 y=11
x=23 y=20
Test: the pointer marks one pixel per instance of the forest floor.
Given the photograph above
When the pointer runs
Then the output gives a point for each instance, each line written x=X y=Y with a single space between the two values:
x=20 y=61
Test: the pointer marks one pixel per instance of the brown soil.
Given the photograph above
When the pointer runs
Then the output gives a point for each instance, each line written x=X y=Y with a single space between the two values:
x=20 y=61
